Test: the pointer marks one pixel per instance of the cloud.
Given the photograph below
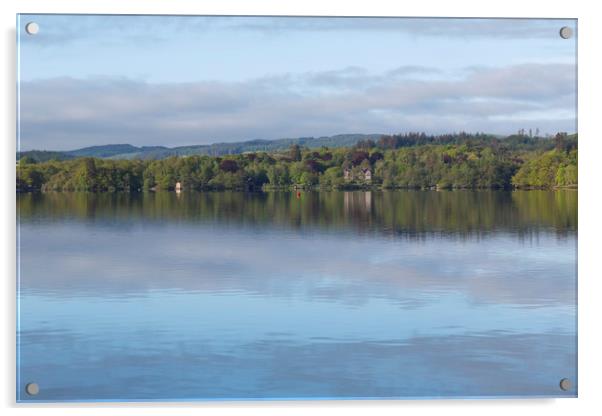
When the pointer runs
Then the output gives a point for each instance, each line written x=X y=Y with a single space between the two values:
x=67 y=113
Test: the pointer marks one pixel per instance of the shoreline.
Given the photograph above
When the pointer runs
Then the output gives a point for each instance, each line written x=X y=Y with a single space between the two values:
x=307 y=189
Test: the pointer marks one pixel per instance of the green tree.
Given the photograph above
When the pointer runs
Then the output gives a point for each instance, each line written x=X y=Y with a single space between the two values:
x=295 y=152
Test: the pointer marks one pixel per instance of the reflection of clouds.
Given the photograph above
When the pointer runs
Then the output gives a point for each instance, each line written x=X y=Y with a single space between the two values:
x=188 y=311
x=324 y=266
x=230 y=319
x=224 y=308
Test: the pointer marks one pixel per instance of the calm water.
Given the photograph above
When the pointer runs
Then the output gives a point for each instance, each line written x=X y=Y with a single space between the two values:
x=330 y=295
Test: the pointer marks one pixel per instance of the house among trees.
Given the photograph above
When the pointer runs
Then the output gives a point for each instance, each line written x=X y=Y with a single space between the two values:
x=367 y=175
x=363 y=175
x=178 y=187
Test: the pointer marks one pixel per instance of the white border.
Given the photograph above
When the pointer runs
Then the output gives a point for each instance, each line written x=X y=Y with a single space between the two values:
x=590 y=243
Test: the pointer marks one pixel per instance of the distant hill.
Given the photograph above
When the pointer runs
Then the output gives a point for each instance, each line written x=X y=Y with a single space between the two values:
x=105 y=151
x=127 y=151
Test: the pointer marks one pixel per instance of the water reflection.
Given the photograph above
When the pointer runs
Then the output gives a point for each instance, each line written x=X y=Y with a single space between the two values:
x=232 y=295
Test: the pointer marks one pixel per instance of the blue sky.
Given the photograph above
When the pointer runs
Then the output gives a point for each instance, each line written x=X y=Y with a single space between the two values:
x=168 y=80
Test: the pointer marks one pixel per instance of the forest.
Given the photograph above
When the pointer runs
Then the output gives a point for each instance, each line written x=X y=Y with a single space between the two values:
x=414 y=160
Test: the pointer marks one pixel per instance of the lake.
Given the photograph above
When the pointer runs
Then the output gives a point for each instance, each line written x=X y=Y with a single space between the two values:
x=229 y=295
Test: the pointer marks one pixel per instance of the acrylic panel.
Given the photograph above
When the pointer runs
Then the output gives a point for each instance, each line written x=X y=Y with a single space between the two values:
x=269 y=208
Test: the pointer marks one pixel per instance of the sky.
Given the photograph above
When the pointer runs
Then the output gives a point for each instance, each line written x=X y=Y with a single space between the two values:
x=87 y=80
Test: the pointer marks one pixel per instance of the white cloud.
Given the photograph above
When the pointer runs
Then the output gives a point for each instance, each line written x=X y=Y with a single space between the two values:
x=67 y=113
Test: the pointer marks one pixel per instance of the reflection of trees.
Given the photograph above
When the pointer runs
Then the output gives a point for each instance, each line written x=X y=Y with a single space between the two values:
x=394 y=212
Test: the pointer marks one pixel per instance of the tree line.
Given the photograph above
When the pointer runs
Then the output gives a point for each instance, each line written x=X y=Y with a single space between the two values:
x=402 y=161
